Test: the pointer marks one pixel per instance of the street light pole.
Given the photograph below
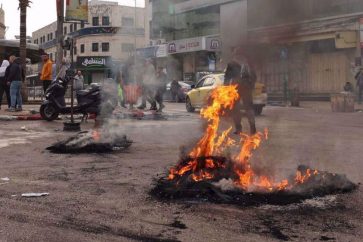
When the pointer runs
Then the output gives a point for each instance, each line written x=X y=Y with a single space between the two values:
x=135 y=42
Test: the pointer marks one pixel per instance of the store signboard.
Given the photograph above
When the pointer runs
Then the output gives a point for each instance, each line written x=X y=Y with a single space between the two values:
x=157 y=51
x=94 y=62
x=161 y=51
x=194 y=44
x=186 y=45
x=77 y=10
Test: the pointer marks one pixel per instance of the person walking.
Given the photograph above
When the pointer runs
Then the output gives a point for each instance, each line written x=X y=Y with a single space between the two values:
x=4 y=88
x=161 y=87
x=359 y=78
x=175 y=88
x=46 y=74
x=14 y=77
x=130 y=85
x=148 y=86
x=239 y=72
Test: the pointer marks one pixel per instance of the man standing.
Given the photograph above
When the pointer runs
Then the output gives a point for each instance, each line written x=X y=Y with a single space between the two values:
x=359 y=78
x=148 y=85
x=78 y=82
x=3 y=85
x=161 y=87
x=46 y=75
x=239 y=72
x=14 y=77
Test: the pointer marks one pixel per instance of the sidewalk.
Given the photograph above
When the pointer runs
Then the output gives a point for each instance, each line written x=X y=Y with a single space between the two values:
x=30 y=112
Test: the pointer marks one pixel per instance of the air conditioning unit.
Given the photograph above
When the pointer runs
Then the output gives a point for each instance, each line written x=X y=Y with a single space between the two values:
x=157 y=42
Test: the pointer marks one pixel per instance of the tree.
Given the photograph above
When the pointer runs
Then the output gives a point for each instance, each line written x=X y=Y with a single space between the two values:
x=23 y=5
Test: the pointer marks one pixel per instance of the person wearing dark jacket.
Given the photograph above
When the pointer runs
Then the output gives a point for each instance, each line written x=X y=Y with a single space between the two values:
x=239 y=72
x=175 y=90
x=14 y=76
x=3 y=85
x=161 y=79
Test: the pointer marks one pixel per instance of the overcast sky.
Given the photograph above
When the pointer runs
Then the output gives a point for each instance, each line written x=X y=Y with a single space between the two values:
x=41 y=13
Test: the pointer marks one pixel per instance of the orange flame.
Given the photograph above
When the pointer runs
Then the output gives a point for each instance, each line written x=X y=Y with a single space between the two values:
x=214 y=143
x=96 y=135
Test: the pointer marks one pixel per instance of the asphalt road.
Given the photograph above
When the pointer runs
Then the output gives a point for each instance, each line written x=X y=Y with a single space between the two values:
x=94 y=197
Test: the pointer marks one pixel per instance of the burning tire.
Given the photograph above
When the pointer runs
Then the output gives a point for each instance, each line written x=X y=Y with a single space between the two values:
x=49 y=112
x=189 y=105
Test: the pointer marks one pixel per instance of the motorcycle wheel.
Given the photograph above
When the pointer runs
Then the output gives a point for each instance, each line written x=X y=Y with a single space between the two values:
x=48 y=112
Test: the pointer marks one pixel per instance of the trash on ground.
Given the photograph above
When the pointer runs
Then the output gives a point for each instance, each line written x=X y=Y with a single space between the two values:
x=33 y=194
x=5 y=179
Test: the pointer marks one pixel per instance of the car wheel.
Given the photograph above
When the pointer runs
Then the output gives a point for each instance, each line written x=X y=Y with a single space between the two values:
x=258 y=110
x=189 y=105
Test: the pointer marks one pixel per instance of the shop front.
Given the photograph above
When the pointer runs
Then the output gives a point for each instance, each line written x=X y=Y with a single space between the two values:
x=94 y=68
x=194 y=55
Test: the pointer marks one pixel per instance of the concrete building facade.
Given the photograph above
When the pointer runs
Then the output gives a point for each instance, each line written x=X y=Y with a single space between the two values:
x=109 y=38
x=313 y=46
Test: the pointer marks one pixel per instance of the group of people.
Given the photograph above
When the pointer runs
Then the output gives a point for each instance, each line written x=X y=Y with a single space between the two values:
x=12 y=75
x=49 y=73
x=142 y=78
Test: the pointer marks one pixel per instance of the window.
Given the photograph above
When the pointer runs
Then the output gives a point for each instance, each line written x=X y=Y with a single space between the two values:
x=127 y=47
x=200 y=83
x=75 y=27
x=75 y=50
x=82 y=25
x=51 y=36
x=48 y=36
x=95 y=21
x=105 y=20
x=127 y=22
x=105 y=47
x=95 y=47
x=82 y=48
x=71 y=28
x=65 y=30
x=209 y=81
x=51 y=56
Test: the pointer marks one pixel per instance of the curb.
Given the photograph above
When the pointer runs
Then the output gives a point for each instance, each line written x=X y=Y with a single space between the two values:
x=30 y=117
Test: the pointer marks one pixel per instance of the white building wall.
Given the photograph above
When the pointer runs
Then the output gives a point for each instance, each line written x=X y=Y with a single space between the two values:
x=99 y=9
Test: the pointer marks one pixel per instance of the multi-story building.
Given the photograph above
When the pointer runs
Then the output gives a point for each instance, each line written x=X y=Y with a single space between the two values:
x=309 y=45
x=313 y=46
x=110 y=37
x=2 y=23
x=193 y=31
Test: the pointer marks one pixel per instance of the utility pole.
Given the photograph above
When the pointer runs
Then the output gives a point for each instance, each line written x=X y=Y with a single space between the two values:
x=360 y=41
x=60 y=21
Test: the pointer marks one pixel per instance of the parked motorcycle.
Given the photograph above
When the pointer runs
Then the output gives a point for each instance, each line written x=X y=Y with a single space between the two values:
x=89 y=101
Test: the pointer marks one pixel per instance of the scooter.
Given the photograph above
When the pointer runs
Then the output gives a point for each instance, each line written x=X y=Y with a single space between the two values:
x=88 y=101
